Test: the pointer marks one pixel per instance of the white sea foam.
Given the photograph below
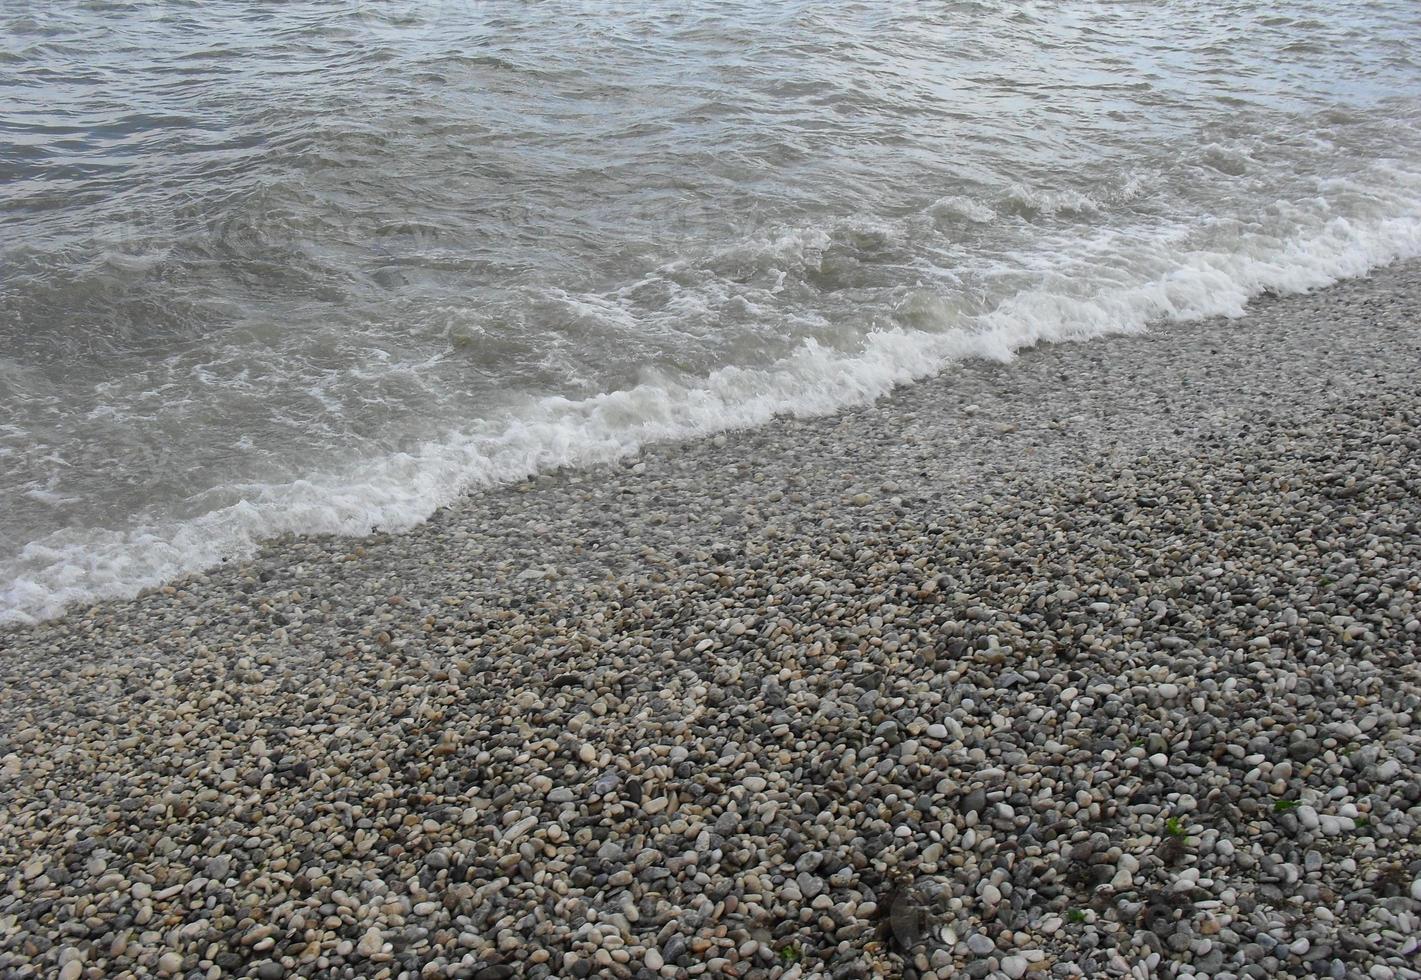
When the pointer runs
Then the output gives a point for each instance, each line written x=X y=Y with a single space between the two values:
x=1117 y=282
x=960 y=207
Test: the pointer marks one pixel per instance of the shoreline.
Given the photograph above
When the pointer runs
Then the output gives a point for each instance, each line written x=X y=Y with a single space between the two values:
x=1050 y=667
x=1025 y=408
x=972 y=374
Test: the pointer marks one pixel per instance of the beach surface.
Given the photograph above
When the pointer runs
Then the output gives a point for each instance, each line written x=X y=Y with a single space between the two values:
x=1102 y=662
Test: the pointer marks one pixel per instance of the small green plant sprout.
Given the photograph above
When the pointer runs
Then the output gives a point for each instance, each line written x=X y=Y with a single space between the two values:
x=791 y=953
x=1076 y=915
x=1283 y=806
x=1173 y=827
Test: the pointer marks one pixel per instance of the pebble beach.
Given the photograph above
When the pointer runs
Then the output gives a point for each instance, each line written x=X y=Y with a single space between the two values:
x=1098 y=663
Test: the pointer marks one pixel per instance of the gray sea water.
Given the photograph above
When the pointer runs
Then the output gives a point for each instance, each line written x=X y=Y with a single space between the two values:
x=323 y=265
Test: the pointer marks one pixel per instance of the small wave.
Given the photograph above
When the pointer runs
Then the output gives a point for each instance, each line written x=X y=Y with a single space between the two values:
x=1230 y=160
x=1031 y=202
x=1165 y=281
x=956 y=207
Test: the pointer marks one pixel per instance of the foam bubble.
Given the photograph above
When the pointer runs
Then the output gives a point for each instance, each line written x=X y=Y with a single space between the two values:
x=1119 y=281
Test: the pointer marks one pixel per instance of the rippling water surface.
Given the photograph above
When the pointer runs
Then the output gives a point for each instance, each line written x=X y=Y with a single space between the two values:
x=321 y=266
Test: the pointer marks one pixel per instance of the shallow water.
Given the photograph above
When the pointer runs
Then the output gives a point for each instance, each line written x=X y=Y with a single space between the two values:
x=322 y=266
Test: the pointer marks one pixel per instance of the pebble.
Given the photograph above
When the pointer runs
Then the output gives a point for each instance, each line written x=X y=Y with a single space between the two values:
x=370 y=943
x=1039 y=704
x=981 y=945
